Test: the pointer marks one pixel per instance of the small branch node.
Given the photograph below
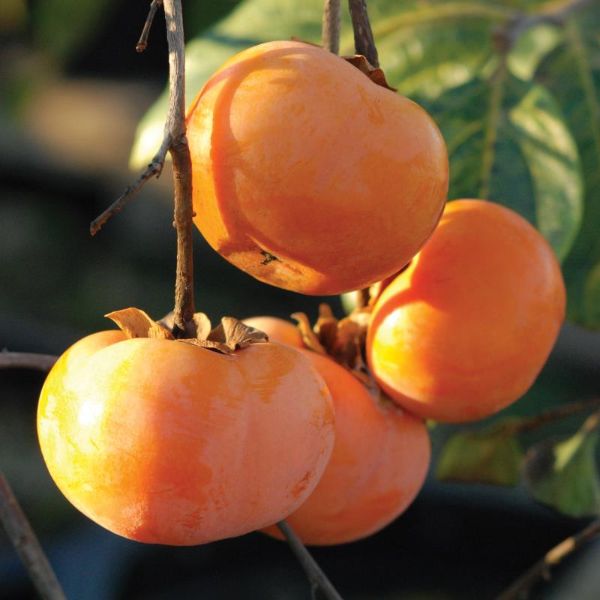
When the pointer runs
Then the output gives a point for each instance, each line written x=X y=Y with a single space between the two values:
x=143 y=41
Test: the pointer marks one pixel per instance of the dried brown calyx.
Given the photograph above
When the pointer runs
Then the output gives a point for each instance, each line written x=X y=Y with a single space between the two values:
x=227 y=337
x=375 y=74
x=360 y=61
x=341 y=339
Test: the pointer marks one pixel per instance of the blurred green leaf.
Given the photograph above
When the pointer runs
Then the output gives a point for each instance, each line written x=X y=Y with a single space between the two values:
x=60 y=27
x=490 y=456
x=572 y=74
x=564 y=475
x=591 y=298
x=508 y=142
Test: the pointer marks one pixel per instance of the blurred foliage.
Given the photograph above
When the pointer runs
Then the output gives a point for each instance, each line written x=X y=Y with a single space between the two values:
x=564 y=475
x=85 y=18
x=490 y=455
x=48 y=20
x=13 y=15
x=522 y=126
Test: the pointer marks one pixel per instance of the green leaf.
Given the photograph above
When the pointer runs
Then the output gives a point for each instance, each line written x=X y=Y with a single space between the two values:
x=563 y=474
x=572 y=74
x=508 y=143
x=591 y=298
x=491 y=456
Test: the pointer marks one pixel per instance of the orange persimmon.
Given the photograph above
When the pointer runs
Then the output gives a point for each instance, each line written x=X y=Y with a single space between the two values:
x=308 y=175
x=278 y=330
x=165 y=442
x=378 y=465
x=465 y=330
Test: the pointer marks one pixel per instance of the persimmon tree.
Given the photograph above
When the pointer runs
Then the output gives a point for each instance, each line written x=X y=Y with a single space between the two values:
x=516 y=135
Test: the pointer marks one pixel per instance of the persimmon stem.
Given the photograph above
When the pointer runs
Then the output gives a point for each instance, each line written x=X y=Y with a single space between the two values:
x=182 y=165
x=541 y=570
x=364 y=42
x=143 y=41
x=27 y=360
x=27 y=545
x=331 y=25
x=315 y=574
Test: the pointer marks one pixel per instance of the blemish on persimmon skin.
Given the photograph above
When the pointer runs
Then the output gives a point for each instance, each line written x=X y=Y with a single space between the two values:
x=302 y=484
x=268 y=257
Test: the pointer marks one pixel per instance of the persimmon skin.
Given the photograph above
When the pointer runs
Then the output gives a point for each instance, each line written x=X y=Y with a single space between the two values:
x=163 y=442
x=309 y=176
x=465 y=330
x=379 y=463
x=278 y=330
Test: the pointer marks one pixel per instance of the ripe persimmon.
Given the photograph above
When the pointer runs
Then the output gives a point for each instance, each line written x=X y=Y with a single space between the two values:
x=466 y=328
x=308 y=175
x=165 y=442
x=378 y=465
x=278 y=330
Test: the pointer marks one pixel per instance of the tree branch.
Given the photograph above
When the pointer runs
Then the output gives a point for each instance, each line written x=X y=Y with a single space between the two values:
x=143 y=41
x=153 y=169
x=553 y=414
x=364 y=42
x=317 y=578
x=554 y=14
x=27 y=360
x=182 y=166
x=27 y=545
x=541 y=570
x=175 y=142
x=331 y=25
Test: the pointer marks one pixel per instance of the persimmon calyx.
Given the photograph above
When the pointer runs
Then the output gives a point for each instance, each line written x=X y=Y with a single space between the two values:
x=375 y=74
x=361 y=62
x=227 y=337
x=342 y=340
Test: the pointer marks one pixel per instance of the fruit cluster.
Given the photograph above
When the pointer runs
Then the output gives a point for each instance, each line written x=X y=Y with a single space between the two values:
x=311 y=177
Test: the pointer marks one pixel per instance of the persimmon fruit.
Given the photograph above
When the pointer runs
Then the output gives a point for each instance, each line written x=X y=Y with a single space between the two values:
x=379 y=462
x=308 y=175
x=278 y=330
x=464 y=331
x=165 y=442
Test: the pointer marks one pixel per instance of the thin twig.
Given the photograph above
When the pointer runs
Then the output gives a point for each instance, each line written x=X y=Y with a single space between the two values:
x=553 y=414
x=143 y=41
x=27 y=545
x=153 y=169
x=317 y=578
x=27 y=360
x=541 y=570
x=553 y=14
x=364 y=42
x=331 y=25
x=182 y=166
